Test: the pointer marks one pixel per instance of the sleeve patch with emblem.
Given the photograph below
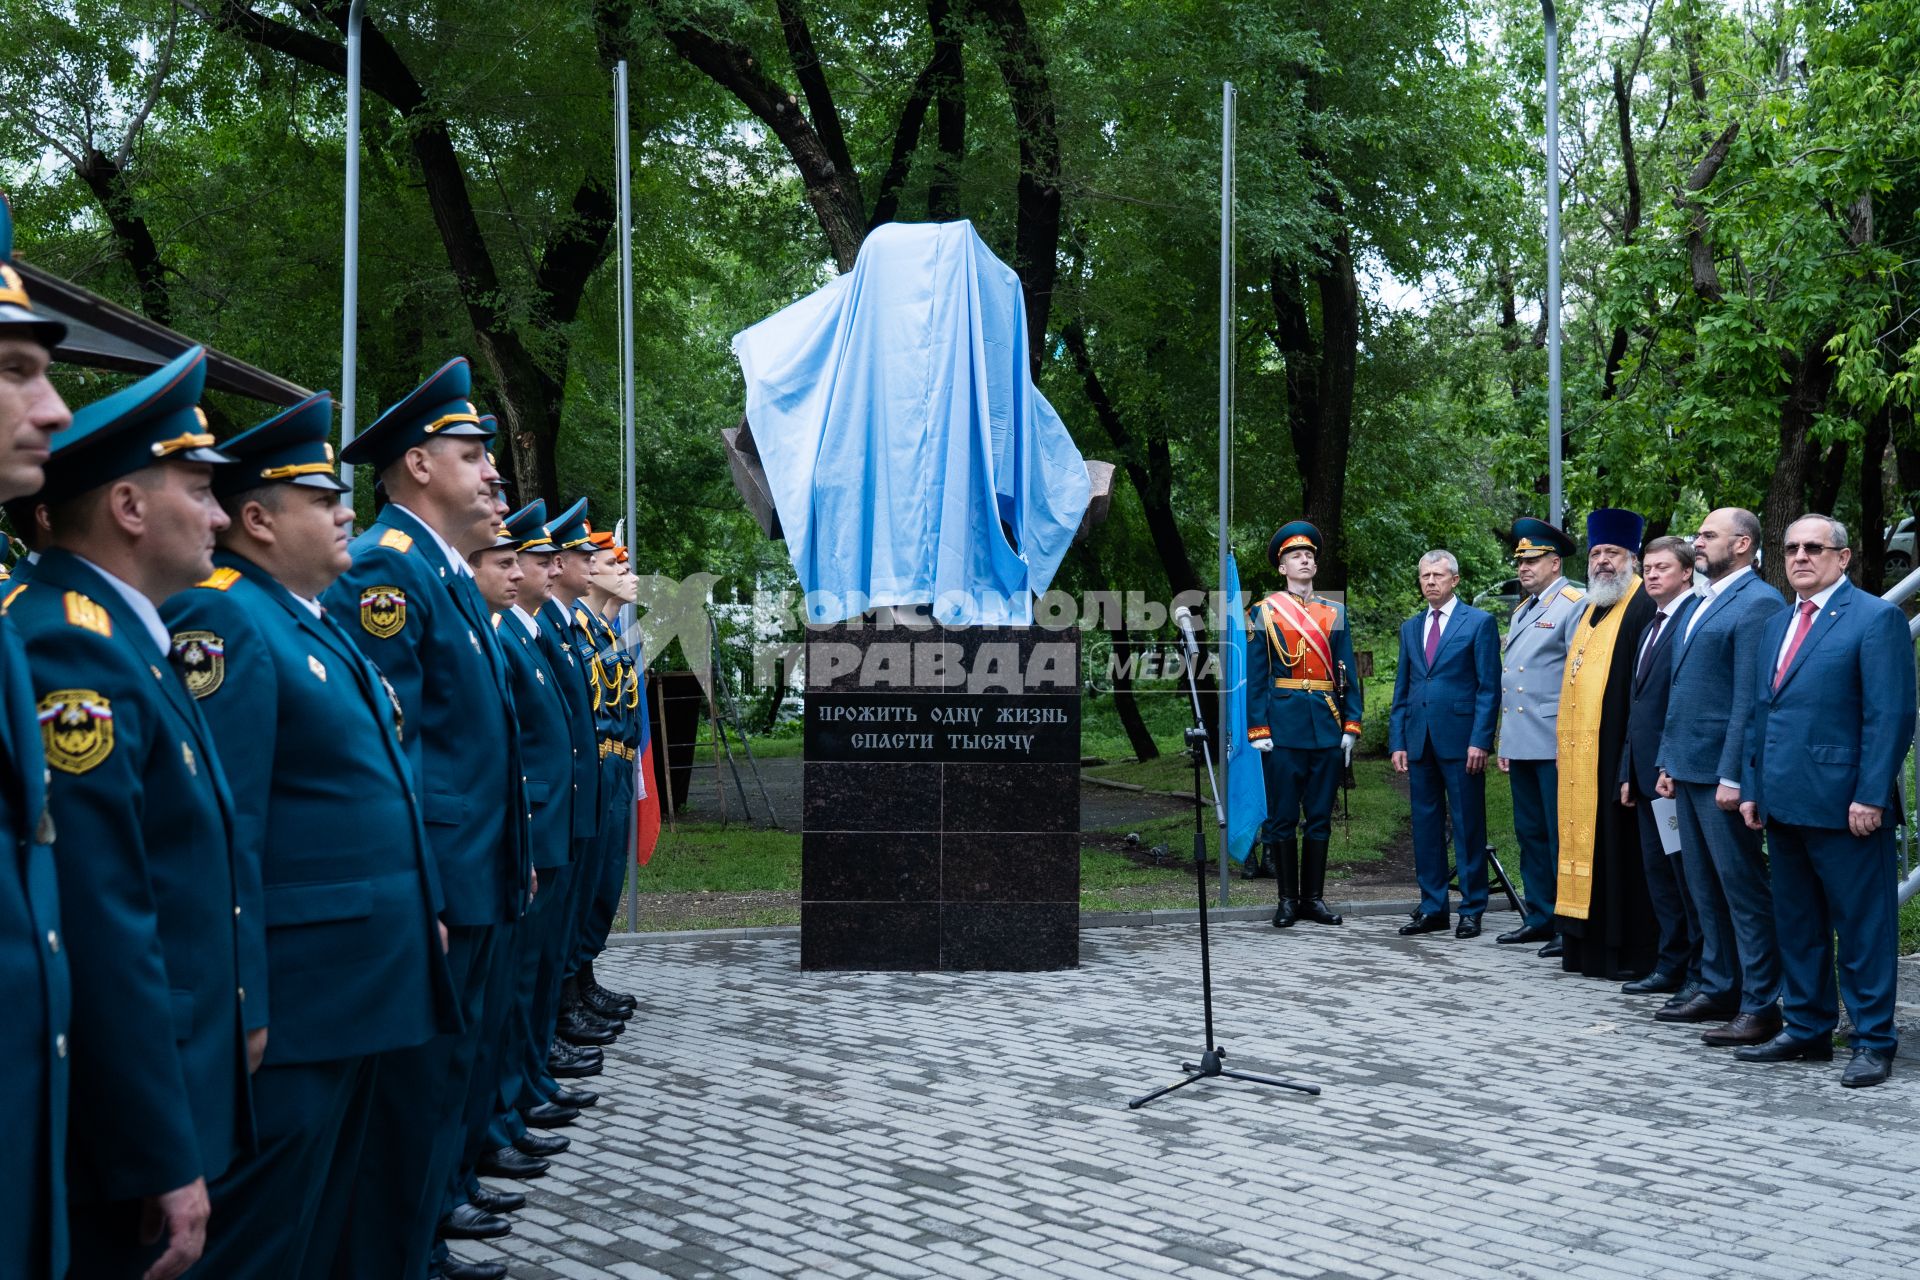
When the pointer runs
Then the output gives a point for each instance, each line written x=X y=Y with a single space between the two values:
x=203 y=660
x=383 y=610
x=76 y=727
x=398 y=541
x=84 y=613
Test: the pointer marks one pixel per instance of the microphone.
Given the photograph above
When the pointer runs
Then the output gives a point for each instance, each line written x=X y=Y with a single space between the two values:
x=1184 y=620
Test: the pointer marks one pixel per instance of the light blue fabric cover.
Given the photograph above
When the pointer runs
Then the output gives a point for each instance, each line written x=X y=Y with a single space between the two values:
x=1246 y=789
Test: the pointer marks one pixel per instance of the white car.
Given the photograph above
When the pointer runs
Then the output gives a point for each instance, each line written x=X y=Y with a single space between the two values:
x=1899 y=558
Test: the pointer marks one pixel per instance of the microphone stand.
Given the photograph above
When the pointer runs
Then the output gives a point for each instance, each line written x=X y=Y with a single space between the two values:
x=1199 y=750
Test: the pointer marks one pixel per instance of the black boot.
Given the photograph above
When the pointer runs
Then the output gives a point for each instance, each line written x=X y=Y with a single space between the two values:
x=1313 y=883
x=1283 y=856
x=1256 y=866
x=590 y=986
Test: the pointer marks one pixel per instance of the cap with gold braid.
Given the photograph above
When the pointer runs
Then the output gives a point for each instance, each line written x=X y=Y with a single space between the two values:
x=16 y=308
x=569 y=529
x=528 y=526
x=289 y=448
x=1294 y=533
x=157 y=419
x=440 y=406
x=1534 y=538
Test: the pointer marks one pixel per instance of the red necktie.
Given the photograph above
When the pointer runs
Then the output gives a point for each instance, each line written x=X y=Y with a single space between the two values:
x=1433 y=637
x=1807 y=609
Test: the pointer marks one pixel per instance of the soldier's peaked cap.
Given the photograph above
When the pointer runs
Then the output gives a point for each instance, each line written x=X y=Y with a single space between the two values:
x=16 y=308
x=1534 y=538
x=528 y=526
x=569 y=529
x=441 y=406
x=157 y=419
x=289 y=448
x=1295 y=533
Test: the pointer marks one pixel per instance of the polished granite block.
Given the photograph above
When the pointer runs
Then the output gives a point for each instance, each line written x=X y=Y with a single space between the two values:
x=1010 y=797
x=1010 y=936
x=870 y=866
x=979 y=866
x=896 y=657
x=870 y=797
x=870 y=935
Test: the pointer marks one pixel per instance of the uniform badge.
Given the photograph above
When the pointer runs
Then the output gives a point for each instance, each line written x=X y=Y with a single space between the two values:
x=319 y=670
x=76 y=728
x=383 y=611
x=399 y=716
x=186 y=758
x=203 y=660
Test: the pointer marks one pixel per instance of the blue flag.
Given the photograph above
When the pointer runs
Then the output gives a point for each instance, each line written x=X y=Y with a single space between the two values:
x=1246 y=786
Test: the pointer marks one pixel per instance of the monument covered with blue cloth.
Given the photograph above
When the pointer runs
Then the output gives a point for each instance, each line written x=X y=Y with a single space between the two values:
x=927 y=493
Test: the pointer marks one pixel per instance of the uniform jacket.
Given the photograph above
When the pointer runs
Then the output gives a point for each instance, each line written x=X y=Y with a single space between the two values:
x=325 y=817
x=144 y=820
x=1535 y=653
x=1836 y=730
x=610 y=670
x=1455 y=704
x=560 y=640
x=1647 y=709
x=546 y=742
x=1710 y=706
x=424 y=626
x=1277 y=654
x=33 y=973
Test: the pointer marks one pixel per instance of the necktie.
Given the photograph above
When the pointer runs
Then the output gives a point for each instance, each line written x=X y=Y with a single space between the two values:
x=1433 y=636
x=1646 y=654
x=1807 y=609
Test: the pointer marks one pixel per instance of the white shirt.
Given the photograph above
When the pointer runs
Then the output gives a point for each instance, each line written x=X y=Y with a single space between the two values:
x=311 y=606
x=142 y=607
x=1819 y=600
x=458 y=561
x=527 y=621
x=1711 y=591
x=1659 y=624
x=1436 y=629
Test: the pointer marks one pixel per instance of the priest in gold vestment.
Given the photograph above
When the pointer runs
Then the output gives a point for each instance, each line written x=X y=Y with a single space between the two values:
x=1601 y=906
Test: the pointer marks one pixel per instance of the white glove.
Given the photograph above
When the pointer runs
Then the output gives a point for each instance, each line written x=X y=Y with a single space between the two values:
x=1346 y=748
x=1263 y=744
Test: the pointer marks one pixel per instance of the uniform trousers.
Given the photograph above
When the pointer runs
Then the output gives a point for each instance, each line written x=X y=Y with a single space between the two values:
x=1727 y=877
x=272 y=1213
x=1673 y=908
x=1836 y=881
x=616 y=833
x=495 y=1064
x=524 y=1081
x=1536 y=828
x=1300 y=780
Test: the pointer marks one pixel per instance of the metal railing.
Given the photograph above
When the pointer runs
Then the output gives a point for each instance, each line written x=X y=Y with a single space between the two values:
x=1907 y=839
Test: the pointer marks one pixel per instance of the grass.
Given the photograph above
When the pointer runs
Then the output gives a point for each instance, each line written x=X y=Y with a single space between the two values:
x=705 y=857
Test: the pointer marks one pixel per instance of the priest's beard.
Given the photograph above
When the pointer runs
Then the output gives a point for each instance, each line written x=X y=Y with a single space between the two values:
x=1609 y=589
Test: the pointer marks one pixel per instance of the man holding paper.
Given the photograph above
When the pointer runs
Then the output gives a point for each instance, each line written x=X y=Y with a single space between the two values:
x=1666 y=574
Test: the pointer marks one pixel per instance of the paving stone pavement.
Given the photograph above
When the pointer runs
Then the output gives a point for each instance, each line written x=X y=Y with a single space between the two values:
x=1482 y=1114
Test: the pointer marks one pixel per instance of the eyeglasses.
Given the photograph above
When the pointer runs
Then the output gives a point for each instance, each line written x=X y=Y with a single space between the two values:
x=1811 y=548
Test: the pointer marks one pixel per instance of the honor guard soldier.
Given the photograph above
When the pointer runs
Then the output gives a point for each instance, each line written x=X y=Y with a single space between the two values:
x=1303 y=710
x=160 y=1098
x=1532 y=662
x=616 y=682
x=33 y=961
x=308 y=733
x=416 y=614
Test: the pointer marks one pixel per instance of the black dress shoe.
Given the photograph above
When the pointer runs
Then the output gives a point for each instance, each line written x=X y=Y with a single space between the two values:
x=550 y=1115
x=1684 y=994
x=505 y=1162
x=1784 y=1048
x=1422 y=923
x=1554 y=948
x=1655 y=983
x=541 y=1145
x=574 y=1069
x=453 y=1268
x=1746 y=1028
x=1525 y=933
x=567 y=1096
x=1869 y=1067
x=1699 y=1009
x=1469 y=927
x=470 y=1222
x=494 y=1200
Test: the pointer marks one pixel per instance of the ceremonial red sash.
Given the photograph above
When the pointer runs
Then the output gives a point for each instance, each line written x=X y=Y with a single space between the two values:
x=1300 y=620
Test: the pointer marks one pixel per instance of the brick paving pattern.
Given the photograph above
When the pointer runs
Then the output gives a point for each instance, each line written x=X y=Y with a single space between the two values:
x=1483 y=1114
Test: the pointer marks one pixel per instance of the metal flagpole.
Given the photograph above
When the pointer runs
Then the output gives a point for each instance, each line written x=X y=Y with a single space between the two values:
x=624 y=161
x=1554 y=499
x=350 y=294
x=1227 y=96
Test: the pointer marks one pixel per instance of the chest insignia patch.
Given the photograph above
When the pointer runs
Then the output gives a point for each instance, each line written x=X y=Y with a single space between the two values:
x=383 y=611
x=76 y=728
x=202 y=656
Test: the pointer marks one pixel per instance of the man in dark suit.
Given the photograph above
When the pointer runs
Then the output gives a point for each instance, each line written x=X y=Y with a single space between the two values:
x=1666 y=574
x=307 y=732
x=1833 y=716
x=1703 y=750
x=1446 y=702
x=149 y=886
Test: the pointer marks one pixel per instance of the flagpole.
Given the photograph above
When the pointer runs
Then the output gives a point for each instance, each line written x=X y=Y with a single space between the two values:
x=350 y=292
x=623 y=159
x=1227 y=96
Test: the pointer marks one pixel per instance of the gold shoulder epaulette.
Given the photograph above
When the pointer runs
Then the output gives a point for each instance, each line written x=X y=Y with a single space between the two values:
x=84 y=613
x=580 y=619
x=1573 y=593
x=220 y=579
x=398 y=540
x=12 y=596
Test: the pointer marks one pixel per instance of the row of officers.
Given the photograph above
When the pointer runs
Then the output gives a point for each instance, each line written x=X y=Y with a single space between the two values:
x=313 y=840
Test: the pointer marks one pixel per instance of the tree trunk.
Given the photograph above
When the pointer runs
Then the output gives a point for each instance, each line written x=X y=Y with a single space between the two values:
x=114 y=190
x=1125 y=705
x=950 y=117
x=1811 y=379
x=1869 y=561
x=1326 y=482
x=1036 y=241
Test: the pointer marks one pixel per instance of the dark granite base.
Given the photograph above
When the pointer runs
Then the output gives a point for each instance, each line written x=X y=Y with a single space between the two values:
x=1012 y=937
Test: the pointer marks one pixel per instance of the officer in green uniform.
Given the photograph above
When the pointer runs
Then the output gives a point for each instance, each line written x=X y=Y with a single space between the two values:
x=148 y=877
x=33 y=963
x=309 y=734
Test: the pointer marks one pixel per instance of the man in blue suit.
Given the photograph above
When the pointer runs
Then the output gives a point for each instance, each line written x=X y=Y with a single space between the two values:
x=149 y=885
x=1703 y=751
x=418 y=617
x=1833 y=715
x=307 y=733
x=33 y=964
x=1446 y=703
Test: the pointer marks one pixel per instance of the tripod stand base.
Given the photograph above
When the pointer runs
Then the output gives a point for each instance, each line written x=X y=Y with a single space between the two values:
x=1209 y=1068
